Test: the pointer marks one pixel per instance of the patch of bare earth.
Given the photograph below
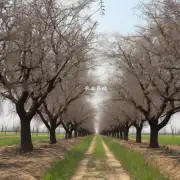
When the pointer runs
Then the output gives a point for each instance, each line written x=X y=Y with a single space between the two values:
x=166 y=159
x=82 y=169
x=100 y=169
x=116 y=169
x=31 y=166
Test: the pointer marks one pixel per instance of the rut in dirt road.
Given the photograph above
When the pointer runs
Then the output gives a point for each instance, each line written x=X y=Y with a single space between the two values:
x=82 y=169
x=100 y=169
x=115 y=166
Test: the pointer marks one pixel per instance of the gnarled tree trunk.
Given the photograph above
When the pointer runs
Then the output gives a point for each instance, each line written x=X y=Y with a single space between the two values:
x=75 y=134
x=154 y=134
x=70 y=134
x=66 y=135
x=138 y=135
x=126 y=133
x=26 y=141
x=121 y=134
x=53 y=136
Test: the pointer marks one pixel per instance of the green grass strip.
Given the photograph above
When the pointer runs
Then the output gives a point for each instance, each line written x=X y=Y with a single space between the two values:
x=16 y=140
x=64 y=169
x=8 y=141
x=163 y=139
x=99 y=152
x=133 y=162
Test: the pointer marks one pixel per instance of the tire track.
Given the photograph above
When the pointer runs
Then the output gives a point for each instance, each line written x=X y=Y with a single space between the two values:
x=100 y=169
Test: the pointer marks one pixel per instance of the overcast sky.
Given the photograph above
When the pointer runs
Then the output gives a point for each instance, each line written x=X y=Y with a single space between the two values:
x=120 y=17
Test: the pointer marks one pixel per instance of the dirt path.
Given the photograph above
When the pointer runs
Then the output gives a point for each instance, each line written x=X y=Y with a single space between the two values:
x=116 y=168
x=100 y=169
x=82 y=169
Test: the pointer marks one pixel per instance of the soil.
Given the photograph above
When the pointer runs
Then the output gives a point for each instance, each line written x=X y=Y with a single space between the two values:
x=32 y=166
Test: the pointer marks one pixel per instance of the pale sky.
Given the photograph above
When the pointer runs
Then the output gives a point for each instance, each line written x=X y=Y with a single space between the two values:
x=120 y=17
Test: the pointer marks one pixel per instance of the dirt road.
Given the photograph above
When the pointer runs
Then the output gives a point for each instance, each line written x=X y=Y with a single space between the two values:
x=100 y=169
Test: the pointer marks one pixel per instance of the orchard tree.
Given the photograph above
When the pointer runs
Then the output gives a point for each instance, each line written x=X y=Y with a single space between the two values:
x=145 y=83
x=39 y=42
x=58 y=102
x=77 y=114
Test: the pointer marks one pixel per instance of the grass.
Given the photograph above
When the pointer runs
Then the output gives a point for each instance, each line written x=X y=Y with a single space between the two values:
x=8 y=141
x=16 y=140
x=64 y=169
x=33 y=134
x=134 y=163
x=8 y=134
x=99 y=152
x=163 y=139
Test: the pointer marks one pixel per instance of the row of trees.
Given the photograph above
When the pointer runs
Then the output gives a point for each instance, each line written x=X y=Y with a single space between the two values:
x=147 y=83
x=44 y=49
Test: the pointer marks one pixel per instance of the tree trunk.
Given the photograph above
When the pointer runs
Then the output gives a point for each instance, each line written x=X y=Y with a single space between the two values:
x=154 y=136
x=70 y=134
x=138 y=135
x=66 y=135
x=121 y=134
x=126 y=133
x=53 y=136
x=114 y=134
x=75 y=134
x=26 y=141
x=118 y=134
